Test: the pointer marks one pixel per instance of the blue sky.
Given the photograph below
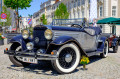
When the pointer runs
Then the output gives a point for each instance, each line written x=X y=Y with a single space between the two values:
x=35 y=6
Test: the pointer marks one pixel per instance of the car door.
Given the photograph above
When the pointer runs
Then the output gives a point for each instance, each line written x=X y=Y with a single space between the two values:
x=88 y=40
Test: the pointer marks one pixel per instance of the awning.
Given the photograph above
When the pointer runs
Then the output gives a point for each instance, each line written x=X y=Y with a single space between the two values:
x=117 y=22
x=110 y=20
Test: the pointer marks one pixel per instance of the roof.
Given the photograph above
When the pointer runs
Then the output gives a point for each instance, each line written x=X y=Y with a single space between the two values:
x=56 y=1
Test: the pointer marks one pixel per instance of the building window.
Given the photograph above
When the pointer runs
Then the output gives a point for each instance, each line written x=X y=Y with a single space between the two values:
x=70 y=16
x=78 y=14
x=113 y=10
x=78 y=2
x=82 y=13
x=101 y=11
x=74 y=4
x=83 y=2
x=74 y=14
x=37 y=20
x=69 y=5
x=88 y=1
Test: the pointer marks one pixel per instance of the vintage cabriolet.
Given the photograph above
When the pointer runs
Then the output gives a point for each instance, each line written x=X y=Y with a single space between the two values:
x=62 y=45
x=113 y=41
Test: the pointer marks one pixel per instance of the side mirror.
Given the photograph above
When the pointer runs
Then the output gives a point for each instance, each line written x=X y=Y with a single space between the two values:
x=90 y=31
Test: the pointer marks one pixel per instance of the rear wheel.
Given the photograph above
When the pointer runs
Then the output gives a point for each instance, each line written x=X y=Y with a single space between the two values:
x=115 y=48
x=105 y=50
x=15 y=60
x=68 y=59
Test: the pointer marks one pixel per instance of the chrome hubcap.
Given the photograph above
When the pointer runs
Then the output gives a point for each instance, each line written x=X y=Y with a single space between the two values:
x=68 y=58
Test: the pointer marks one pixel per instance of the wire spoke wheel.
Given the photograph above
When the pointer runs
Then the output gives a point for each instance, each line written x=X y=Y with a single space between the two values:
x=68 y=58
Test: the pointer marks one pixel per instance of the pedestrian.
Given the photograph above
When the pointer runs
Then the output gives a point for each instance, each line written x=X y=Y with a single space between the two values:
x=85 y=23
x=94 y=22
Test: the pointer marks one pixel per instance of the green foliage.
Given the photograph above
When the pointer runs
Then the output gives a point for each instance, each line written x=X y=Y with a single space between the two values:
x=17 y=4
x=43 y=19
x=7 y=12
x=1 y=38
x=31 y=30
x=20 y=16
x=30 y=15
x=61 y=12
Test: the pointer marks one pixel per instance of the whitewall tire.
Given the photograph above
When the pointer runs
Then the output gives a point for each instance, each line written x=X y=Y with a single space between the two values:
x=68 y=58
x=105 y=50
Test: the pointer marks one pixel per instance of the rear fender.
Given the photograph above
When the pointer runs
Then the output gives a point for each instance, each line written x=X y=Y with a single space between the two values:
x=64 y=40
x=19 y=39
x=114 y=42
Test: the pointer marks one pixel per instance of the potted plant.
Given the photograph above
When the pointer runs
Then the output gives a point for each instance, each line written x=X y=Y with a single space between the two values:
x=84 y=61
x=1 y=39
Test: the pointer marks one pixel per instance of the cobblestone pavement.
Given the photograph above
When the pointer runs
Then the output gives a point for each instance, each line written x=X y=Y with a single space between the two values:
x=99 y=68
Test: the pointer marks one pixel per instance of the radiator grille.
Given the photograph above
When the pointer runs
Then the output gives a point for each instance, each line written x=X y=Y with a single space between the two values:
x=38 y=34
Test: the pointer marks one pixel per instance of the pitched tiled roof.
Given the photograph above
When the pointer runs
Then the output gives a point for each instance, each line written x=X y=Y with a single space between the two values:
x=56 y=1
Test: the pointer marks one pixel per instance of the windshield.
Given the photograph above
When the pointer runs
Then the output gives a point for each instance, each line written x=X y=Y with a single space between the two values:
x=67 y=22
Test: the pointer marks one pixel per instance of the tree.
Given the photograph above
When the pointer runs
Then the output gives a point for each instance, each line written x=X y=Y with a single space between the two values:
x=7 y=12
x=17 y=5
x=30 y=15
x=61 y=12
x=43 y=19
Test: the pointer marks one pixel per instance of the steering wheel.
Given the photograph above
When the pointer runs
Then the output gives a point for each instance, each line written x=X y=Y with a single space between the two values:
x=76 y=25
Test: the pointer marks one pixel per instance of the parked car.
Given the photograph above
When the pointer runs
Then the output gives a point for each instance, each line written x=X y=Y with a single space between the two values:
x=113 y=41
x=63 y=46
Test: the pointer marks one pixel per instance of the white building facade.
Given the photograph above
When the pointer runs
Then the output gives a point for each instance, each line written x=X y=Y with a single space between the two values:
x=24 y=22
x=97 y=9
x=36 y=19
x=46 y=8
x=109 y=8
x=83 y=8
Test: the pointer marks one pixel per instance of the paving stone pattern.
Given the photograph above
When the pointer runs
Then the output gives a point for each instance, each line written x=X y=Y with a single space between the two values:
x=98 y=68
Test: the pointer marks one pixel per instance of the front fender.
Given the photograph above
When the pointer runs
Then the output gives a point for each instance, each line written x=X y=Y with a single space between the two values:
x=64 y=40
x=114 y=42
x=19 y=39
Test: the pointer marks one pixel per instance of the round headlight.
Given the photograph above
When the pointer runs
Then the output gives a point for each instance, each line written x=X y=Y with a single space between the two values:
x=48 y=34
x=30 y=46
x=25 y=34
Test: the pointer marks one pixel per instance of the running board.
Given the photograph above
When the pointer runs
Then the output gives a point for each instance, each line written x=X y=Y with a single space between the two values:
x=94 y=53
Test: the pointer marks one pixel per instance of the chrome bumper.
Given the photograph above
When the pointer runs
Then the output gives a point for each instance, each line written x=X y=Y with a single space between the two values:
x=37 y=56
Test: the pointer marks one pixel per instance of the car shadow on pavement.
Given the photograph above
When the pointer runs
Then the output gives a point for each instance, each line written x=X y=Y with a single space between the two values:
x=94 y=58
x=46 y=68
x=41 y=68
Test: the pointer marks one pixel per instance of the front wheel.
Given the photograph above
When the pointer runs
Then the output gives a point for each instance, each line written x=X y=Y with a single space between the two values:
x=68 y=59
x=105 y=50
x=15 y=60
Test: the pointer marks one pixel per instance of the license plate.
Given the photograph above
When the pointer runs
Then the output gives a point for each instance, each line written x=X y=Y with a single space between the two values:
x=30 y=60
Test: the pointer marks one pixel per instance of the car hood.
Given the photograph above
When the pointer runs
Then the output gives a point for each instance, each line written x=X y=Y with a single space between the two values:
x=62 y=28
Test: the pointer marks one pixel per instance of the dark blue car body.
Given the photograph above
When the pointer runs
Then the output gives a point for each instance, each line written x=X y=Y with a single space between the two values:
x=64 y=49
